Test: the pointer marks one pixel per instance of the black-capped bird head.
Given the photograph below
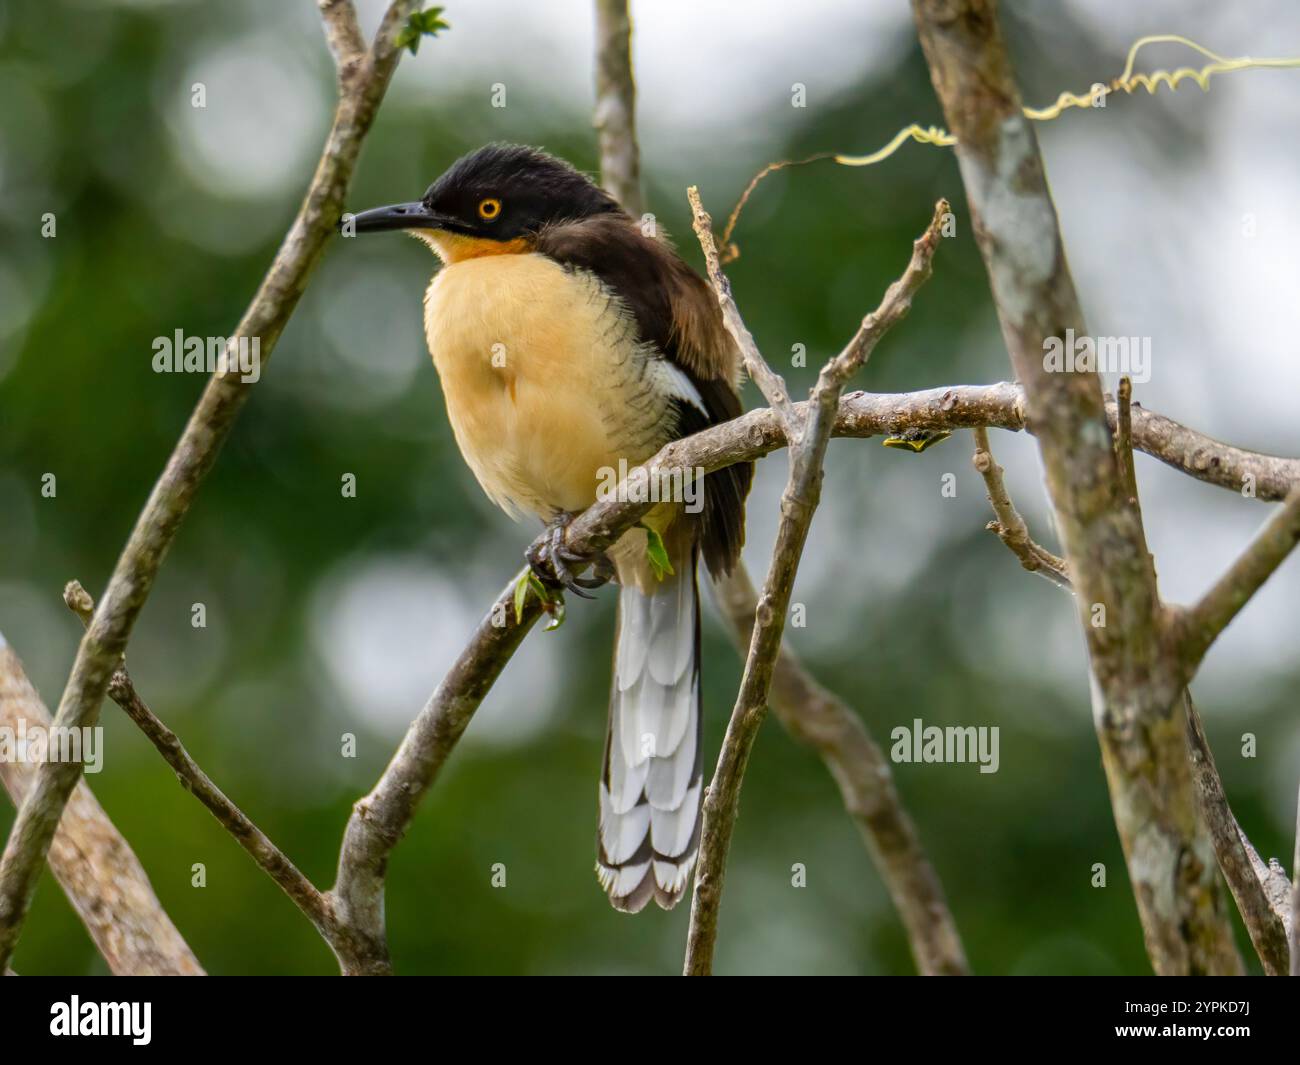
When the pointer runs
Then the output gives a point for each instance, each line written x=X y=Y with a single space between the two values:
x=494 y=200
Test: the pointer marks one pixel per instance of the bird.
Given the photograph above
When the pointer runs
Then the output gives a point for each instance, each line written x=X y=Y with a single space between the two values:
x=569 y=336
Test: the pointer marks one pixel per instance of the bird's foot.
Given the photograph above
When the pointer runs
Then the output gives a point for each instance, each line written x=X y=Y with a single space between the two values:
x=551 y=560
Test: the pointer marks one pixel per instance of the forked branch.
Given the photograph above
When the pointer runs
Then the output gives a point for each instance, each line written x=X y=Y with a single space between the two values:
x=798 y=504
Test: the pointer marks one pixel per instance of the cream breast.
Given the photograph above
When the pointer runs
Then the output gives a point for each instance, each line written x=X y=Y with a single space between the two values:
x=544 y=379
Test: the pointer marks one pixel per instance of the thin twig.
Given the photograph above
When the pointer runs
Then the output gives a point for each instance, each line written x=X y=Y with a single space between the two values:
x=769 y=382
x=798 y=504
x=1124 y=437
x=1122 y=446
x=1010 y=527
x=816 y=717
x=1200 y=625
x=1239 y=861
x=132 y=579
x=379 y=820
x=259 y=847
x=90 y=859
x=615 y=114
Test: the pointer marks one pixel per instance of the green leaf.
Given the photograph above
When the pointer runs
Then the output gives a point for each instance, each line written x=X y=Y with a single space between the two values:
x=430 y=21
x=552 y=602
x=656 y=554
x=539 y=589
x=521 y=594
x=409 y=38
x=422 y=24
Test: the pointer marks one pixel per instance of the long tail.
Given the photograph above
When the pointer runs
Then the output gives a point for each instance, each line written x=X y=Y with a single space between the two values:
x=650 y=787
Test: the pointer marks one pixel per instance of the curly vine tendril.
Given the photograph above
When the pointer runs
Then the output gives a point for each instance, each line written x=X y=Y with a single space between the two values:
x=1127 y=82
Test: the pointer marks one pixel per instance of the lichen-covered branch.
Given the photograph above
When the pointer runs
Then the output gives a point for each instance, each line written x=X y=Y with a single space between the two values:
x=191 y=459
x=94 y=865
x=798 y=504
x=1137 y=675
x=1210 y=460
x=1251 y=882
x=1241 y=865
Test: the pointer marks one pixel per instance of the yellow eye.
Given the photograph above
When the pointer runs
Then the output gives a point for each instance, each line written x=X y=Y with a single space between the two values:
x=489 y=209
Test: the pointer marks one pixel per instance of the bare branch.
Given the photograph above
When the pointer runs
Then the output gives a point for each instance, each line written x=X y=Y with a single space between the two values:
x=1137 y=680
x=818 y=718
x=191 y=459
x=615 y=114
x=266 y=854
x=1257 y=476
x=798 y=504
x=1001 y=406
x=1240 y=863
x=1126 y=467
x=1010 y=526
x=769 y=382
x=380 y=819
x=342 y=34
x=1123 y=444
x=94 y=865
x=1249 y=879
x=1199 y=626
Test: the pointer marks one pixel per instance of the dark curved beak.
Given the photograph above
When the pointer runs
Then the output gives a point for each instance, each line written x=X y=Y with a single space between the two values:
x=399 y=216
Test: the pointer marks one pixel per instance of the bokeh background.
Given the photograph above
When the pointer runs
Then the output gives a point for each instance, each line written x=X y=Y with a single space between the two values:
x=328 y=615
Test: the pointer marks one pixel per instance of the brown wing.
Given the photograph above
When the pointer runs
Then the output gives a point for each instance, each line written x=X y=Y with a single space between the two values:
x=675 y=310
